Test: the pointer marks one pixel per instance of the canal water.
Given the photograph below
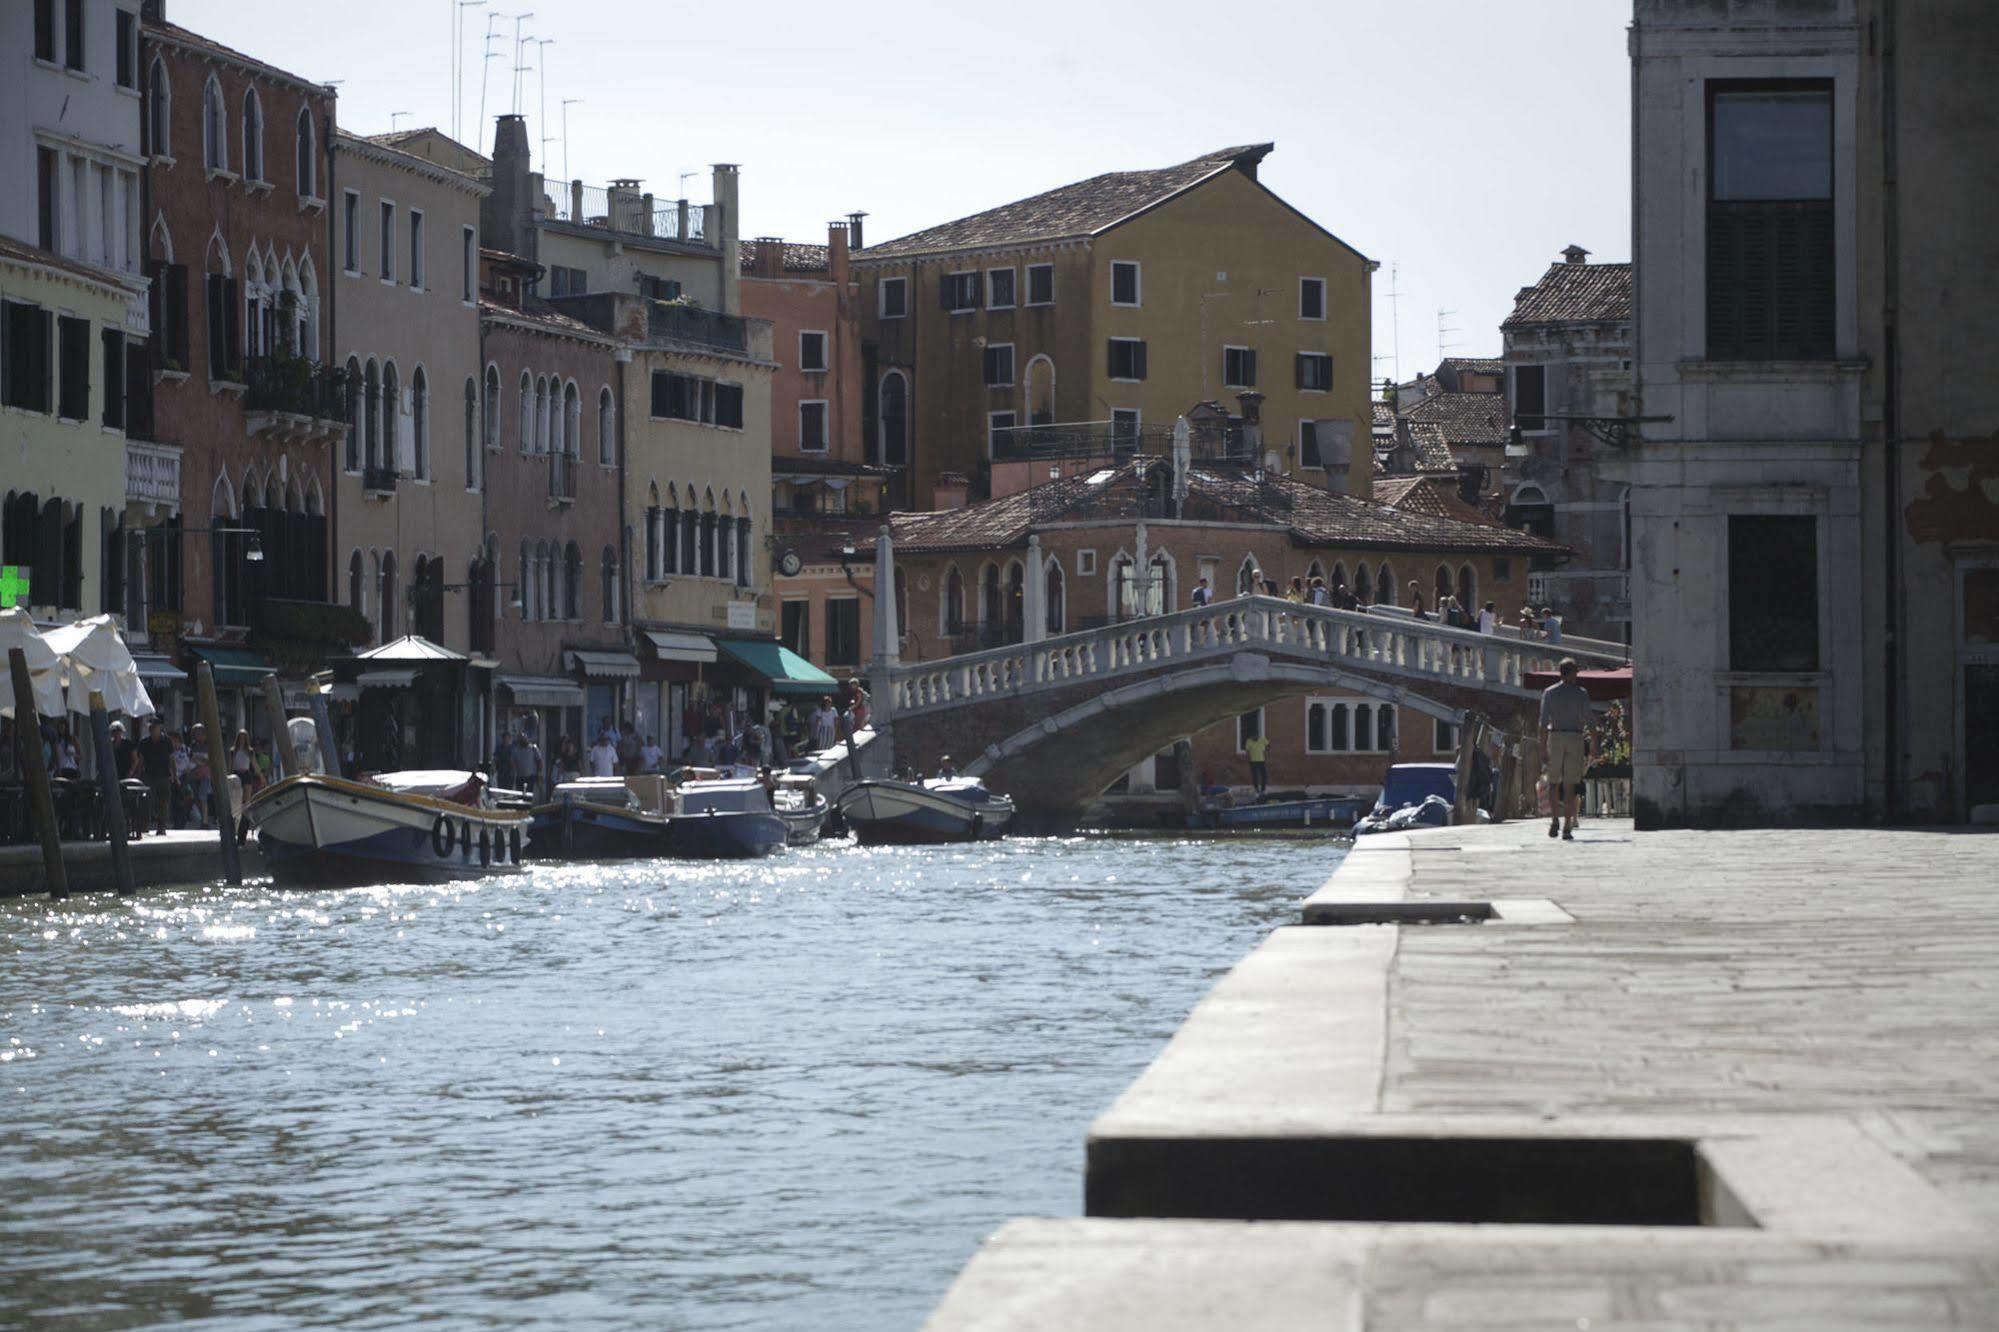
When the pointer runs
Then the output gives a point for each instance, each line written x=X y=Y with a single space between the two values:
x=789 y=1094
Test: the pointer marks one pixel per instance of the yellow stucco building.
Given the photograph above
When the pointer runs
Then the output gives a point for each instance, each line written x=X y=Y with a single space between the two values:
x=1118 y=300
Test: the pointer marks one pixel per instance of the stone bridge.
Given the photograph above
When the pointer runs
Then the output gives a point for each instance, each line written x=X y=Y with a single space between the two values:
x=1053 y=722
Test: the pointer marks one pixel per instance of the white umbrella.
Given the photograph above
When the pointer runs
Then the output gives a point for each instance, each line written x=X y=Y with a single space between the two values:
x=94 y=656
x=17 y=630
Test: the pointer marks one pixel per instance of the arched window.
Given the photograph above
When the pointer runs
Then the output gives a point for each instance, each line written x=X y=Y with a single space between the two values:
x=954 y=601
x=1161 y=588
x=1441 y=585
x=1016 y=602
x=745 y=544
x=355 y=421
x=305 y=336
x=308 y=161
x=392 y=403
x=541 y=415
x=420 y=424
x=491 y=410
x=1040 y=391
x=357 y=583
x=610 y=585
x=572 y=583
x=214 y=127
x=1363 y=584
x=1054 y=609
x=572 y=421
x=388 y=607
x=1246 y=576
x=1314 y=571
x=527 y=412
x=159 y=110
x=901 y=604
x=371 y=382
x=551 y=580
x=894 y=419
x=1468 y=589
x=607 y=429
x=654 y=530
x=689 y=521
x=725 y=542
x=253 y=135
x=525 y=591
x=991 y=608
x=1384 y=586
x=1339 y=577
x=472 y=458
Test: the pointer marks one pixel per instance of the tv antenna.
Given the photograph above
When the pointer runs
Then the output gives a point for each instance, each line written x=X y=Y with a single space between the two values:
x=1442 y=329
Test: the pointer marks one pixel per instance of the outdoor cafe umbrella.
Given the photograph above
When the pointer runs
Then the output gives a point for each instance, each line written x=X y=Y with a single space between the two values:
x=95 y=657
x=17 y=630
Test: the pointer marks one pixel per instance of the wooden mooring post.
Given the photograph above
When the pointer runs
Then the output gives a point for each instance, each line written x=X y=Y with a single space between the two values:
x=41 y=797
x=282 y=757
x=322 y=725
x=218 y=770
x=114 y=795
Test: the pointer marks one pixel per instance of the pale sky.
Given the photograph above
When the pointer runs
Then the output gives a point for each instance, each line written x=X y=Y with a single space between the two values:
x=1465 y=142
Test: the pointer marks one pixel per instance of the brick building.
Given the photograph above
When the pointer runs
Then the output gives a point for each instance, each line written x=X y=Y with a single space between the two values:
x=237 y=245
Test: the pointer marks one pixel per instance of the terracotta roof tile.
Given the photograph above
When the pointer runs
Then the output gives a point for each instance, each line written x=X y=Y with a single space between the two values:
x=799 y=257
x=1081 y=209
x=174 y=32
x=1464 y=418
x=1429 y=494
x=1433 y=451
x=1311 y=516
x=1575 y=294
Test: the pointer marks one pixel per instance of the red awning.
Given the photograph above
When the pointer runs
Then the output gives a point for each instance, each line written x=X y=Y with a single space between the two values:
x=1603 y=686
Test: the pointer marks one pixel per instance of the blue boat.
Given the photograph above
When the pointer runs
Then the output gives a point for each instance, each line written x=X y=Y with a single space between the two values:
x=603 y=819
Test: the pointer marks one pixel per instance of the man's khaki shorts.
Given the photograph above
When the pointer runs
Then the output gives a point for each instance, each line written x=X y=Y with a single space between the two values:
x=1565 y=758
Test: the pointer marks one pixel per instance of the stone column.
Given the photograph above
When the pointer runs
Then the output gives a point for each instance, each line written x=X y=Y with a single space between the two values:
x=1142 y=571
x=887 y=656
x=1033 y=587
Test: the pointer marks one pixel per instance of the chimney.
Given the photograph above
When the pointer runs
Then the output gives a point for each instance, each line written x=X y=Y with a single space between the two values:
x=507 y=214
x=1575 y=254
x=836 y=254
x=767 y=260
x=726 y=237
x=854 y=241
x=950 y=492
x=1252 y=423
x=153 y=11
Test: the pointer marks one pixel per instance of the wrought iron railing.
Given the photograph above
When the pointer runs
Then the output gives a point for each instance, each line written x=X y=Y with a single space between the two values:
x=618 y=208
x=295 y=385
x=691 y=323
x=1117 y=441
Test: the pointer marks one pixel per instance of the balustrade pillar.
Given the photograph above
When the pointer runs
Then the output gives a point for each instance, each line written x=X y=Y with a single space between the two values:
x=1033 y=593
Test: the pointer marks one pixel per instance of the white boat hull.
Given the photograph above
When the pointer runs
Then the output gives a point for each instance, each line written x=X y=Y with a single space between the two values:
x=320 y=831
x=898 y=812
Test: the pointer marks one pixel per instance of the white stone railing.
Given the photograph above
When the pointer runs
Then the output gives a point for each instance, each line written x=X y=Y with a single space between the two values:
x=1384 y=646
x=152 y=472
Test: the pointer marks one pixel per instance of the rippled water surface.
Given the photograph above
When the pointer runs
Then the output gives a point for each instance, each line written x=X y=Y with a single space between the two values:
x=794 y=1094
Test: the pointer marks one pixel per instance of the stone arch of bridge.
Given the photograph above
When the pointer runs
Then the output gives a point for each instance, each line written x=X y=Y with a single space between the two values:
x=1060 y=763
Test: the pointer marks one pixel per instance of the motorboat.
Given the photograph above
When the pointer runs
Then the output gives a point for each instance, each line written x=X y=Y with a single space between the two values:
x=799 y=803
x=943 y=809
x=1326 y=813
x=726 y=818
x=317 y=830
x=703 y=815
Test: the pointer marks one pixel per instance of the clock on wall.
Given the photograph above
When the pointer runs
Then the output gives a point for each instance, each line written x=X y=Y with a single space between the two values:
x=789 y=564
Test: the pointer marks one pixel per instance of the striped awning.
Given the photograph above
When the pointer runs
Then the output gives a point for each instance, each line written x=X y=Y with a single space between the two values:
x=541 y=691
x=603 y=665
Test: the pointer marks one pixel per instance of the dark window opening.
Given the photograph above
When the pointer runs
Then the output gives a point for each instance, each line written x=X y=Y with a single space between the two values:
x=812 y=351
x=114 y=378
x=1127 y=358
x=999 y=365
x=960 y=291
x=1770 y=259
x=73 y=368
x=128 y=50
x=1773 y=596
x=1315 y=371
x=1000 y=293
x=1530 y=397
x=796 y=630
x=894 y=297
x=73 y=35
x=1124 y=284
x=1041 y=284
x=843 y=632
x=47 y=189
x=812 y=427
x=1238 y=367
x=1312 y=298
x=25 y=356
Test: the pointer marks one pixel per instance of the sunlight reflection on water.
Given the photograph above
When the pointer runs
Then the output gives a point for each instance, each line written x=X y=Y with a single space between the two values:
x=790 y=1093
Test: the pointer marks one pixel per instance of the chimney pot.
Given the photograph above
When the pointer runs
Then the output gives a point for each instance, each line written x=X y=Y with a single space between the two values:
x=1575 y=254
x=854 y=241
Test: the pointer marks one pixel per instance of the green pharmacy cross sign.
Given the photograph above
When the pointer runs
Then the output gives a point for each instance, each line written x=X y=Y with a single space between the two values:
x=13 y=586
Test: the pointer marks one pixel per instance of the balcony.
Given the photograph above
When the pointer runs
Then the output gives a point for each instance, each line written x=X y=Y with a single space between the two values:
x=292 y=400
x=378 y=482
x=1209 y=440
x=624 y=207
x=152 y=473
x=561 y=480
x=692 y=324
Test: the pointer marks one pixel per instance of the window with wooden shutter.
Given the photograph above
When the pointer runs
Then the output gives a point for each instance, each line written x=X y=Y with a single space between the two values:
x=73 y=368
x=113 y=343
x=1315 y=371
x=1238 y=367
x=1771 y=266
x=24 y=349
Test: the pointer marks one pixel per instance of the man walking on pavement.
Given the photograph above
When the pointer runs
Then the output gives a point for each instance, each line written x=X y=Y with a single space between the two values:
x=1565 y=747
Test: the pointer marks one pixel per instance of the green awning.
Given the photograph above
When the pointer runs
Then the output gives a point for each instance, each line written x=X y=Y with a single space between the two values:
x=787 y=672
x=235 y=666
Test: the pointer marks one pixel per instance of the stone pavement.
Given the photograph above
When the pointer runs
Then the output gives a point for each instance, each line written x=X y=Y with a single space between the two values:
x=1789 y=1038
x=183 y=855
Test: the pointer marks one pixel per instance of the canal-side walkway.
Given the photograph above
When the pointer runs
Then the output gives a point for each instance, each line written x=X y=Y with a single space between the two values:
x=1687 y=1079
x=182 y=855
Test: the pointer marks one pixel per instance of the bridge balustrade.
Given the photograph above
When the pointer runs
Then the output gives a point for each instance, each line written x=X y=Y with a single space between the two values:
x=1383 y=645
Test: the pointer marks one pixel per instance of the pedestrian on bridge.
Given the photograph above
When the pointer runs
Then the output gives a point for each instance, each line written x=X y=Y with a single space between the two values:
x=1416 y=600
x=1202 y=596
